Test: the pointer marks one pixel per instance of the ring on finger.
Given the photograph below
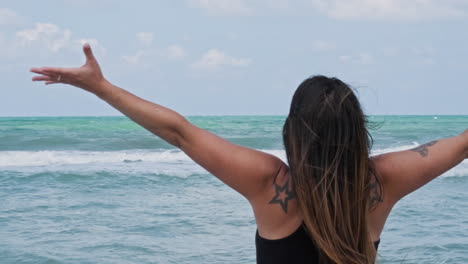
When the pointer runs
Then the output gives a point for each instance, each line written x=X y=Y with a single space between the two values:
x=59 y=78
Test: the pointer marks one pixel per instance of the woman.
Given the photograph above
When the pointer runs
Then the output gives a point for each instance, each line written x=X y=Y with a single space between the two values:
x=330 y=203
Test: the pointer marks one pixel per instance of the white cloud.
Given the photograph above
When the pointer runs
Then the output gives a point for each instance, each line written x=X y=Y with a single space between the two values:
x=214 y=59
x=49 y=35
x=136 y=58
x=53 y=38
x=41 y=30
x=145 y=38
x=424 y=54
x=343 y=9
x=360 y=58
x=392 y=9
x=223 y=7
x=94 y=43
x=278 y=4
x=423 y=50
x=94 y=4
x=391 y=51
x=8 y=16
x=428 y=61
x=247 y=7
x=323 y=46
x=175 y=52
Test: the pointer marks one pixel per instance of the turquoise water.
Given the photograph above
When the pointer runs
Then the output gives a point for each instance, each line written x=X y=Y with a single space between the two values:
x=104 y=190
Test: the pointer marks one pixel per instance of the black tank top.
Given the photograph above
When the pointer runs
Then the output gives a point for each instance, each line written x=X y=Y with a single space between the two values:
x=296 y=248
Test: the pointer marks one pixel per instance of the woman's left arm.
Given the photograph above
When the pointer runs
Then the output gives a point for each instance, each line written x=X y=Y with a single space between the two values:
x=246 y=170
x=406 y=171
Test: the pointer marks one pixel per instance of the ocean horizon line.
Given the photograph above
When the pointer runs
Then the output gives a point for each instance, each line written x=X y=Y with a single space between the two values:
x=228 y=115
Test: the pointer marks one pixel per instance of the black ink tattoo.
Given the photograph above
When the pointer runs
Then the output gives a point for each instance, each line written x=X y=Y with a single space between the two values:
x=422 y=150
x=375 y=195
x=283 y=195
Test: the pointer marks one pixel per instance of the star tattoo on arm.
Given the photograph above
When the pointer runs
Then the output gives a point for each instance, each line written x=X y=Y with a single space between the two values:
x=422 y=150
x=283 y=196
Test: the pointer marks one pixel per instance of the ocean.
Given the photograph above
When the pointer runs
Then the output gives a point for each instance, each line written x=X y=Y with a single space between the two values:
x=104 y=190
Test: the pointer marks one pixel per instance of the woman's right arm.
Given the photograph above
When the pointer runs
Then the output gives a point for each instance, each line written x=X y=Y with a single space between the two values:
x=406 y=171
x=248 y=171
x=465 y=134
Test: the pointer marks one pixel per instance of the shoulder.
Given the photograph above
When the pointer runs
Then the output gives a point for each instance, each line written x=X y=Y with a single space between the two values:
x=276 y=209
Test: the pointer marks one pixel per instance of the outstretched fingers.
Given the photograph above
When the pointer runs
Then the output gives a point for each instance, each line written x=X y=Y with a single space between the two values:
x=51 y=82
x=42 y=78
x=50 y=71
x=83 y=76
x=57 y=75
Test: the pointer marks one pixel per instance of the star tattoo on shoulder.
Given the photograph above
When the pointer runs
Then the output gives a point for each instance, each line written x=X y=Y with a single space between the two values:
x=283 y=196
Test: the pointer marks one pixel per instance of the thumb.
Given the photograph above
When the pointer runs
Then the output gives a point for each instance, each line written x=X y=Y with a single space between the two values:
x=88 y=52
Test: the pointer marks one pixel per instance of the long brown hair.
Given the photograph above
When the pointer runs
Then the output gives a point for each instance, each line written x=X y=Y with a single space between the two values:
x=327 y=146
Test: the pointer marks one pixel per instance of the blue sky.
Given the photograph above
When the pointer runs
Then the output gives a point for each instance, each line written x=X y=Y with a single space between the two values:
x=238 y=57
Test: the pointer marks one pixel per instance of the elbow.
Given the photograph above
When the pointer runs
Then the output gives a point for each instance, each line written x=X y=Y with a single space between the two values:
x=172 y=133
x=170 y=136
x=175 y=139
x=178 y=132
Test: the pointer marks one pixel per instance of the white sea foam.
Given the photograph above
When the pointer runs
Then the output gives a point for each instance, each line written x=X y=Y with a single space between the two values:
x=169 y=162
x=393 y=149
x=163 y=161
x=49 y=157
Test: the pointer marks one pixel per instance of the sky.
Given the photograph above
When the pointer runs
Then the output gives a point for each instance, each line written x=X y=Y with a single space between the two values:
x=238 y=57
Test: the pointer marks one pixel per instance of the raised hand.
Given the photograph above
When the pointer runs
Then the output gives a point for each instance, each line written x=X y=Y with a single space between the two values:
x=88 y=77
